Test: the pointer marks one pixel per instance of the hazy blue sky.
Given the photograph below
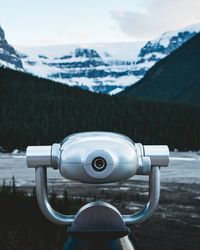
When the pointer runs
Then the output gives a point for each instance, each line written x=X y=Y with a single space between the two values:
x=42 y=22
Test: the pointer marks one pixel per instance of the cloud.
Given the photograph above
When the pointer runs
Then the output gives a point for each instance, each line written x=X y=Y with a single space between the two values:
x=158 y=17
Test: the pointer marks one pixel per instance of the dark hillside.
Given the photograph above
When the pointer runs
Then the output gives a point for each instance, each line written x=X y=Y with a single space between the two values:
x=36 y=111
x=175 y=78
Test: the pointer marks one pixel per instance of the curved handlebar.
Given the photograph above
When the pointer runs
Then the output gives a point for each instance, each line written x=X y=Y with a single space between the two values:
x=42 y=197
x=151 y=206
x=61 y=219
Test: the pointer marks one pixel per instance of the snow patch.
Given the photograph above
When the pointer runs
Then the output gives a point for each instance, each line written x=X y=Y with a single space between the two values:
x=116 y=91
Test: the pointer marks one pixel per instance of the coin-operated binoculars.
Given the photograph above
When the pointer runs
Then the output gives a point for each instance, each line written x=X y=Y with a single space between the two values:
x=98 y=157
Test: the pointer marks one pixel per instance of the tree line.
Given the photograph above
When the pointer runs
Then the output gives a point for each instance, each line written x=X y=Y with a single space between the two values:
x=36 y=111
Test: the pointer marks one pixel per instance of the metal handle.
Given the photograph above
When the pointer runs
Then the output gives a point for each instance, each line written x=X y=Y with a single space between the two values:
x=58 y=218
x=150 y=207
x=42 y=197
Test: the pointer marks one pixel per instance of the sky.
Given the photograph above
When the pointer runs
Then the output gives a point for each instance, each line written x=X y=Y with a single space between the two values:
x=53 y=22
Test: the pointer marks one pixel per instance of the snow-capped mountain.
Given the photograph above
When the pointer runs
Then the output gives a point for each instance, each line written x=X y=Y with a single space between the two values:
x=106 y=68
x=103 y=67
x=155 y=50
x=8 y=56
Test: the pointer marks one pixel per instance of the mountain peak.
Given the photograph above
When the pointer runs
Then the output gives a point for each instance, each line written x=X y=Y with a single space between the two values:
x=87 y=53
x=2 y=34
x=180 y=33
x=8 y=56
x=157 y=49
x=175 y=78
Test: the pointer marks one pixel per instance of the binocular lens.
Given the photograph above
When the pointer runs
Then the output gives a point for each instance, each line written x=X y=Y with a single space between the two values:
x=99 y=164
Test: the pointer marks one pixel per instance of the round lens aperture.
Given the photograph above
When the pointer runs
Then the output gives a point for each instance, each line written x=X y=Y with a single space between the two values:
x=99 y=164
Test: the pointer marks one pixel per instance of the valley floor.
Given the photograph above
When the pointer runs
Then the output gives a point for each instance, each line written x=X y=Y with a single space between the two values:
x=176 y=223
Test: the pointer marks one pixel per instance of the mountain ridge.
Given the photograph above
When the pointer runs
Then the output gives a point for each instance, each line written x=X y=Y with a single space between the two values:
x=8 y=56
x=176 y=78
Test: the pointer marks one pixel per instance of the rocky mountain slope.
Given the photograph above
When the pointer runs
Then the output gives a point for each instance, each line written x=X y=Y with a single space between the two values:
x=8 y=56
x=176 y=78
x=157 y=49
